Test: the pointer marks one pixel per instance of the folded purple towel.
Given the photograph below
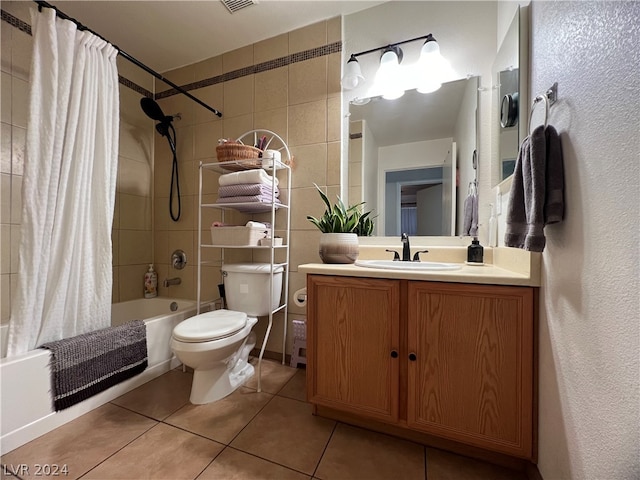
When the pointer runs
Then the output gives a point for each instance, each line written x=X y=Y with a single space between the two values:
x=244 y=190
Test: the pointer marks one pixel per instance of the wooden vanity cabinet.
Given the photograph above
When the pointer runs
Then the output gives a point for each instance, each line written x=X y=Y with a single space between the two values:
x=451 y=360
x=354 y=330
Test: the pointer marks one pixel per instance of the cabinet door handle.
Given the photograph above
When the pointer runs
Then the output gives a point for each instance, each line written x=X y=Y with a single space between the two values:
x=412 y=357
x=394 y=354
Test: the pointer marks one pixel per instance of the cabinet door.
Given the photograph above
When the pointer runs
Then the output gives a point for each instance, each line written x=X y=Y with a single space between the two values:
x=471 y=376
x=352 y=332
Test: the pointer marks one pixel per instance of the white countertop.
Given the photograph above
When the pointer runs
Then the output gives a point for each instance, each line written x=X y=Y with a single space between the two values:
x=510 y=267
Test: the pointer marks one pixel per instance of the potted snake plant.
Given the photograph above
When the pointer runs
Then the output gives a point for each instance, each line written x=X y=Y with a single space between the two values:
x=341 y=226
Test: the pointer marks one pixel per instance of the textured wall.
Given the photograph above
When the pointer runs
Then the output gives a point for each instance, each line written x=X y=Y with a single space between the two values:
x=589 y=328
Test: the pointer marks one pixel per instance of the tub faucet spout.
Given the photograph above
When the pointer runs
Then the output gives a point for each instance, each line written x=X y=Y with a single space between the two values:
x=172 y=281
x=406 y=249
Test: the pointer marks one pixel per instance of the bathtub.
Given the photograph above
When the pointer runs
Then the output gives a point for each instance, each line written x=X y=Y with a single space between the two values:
x=27 y=412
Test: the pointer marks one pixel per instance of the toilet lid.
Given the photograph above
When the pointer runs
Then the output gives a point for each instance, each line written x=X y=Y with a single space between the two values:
x=210 y=326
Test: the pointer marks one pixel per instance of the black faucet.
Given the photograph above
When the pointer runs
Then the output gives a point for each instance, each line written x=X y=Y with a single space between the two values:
x=406 y=249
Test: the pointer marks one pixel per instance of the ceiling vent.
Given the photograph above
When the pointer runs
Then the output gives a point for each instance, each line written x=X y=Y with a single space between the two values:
x=234 y=5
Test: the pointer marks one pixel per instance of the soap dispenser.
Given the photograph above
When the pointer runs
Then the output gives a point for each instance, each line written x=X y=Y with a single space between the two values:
x=475 y=252
x=150 y=283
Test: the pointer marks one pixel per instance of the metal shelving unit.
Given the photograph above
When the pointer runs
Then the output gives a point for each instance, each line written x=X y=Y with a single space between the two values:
x=282 y=167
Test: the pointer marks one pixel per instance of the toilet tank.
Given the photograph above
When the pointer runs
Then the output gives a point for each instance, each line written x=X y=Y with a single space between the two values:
x=247 y=287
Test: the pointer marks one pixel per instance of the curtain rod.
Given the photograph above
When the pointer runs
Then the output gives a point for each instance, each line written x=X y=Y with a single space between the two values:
x=126 y=56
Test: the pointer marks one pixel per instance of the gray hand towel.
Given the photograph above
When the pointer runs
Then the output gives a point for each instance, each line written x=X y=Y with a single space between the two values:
x=536 y=196
x=470 y=218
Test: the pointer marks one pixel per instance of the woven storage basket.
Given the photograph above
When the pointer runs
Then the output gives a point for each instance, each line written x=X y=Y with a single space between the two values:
x=236 y=152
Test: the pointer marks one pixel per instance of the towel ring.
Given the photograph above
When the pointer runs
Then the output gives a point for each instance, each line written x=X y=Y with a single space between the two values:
x=539 y=98
x=549 y=98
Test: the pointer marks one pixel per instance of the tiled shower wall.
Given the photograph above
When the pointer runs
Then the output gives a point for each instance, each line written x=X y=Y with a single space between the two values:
x=300 y=102
x=132 y=239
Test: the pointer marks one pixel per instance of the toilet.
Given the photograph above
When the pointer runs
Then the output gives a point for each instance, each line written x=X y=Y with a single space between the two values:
x=217 y=344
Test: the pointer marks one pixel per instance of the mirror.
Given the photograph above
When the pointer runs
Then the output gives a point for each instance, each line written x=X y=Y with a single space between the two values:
x=403 y=157
x=468 y=34
x=509 y=114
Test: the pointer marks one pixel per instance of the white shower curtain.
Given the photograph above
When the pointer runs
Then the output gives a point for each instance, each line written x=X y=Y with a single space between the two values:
x=65 y=259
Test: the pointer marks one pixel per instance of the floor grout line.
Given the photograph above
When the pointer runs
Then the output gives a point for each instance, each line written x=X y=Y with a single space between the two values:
x=324 y=450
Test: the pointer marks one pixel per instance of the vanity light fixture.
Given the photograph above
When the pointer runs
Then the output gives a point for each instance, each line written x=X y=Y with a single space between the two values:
x=387 y=78
x=352 y=74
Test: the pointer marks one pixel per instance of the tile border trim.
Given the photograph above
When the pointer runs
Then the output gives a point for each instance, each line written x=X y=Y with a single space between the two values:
x=317 y=52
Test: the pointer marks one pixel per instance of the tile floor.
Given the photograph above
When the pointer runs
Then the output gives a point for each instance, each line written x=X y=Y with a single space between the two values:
x=154 y=432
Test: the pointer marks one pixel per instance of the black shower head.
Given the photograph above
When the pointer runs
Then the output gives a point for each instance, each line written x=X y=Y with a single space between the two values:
x=153 y=110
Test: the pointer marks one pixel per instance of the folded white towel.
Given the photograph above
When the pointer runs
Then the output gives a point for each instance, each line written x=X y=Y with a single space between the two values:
x=256 y=175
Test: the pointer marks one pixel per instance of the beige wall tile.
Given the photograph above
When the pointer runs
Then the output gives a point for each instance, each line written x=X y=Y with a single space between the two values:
x=135 y=74
x=308 y=81
x=21 y=48
x=308 y=37
x=5 y=249
x=19 y=102
x=333 y=163
x=305 y=201
x=188 y=214
x=115 y=289
x=187 y=287
x=5 y=148
x=5 y=298
x=334 y=29
x=131 y=112
x=236 y=59
x=161 y=212
x=178 y=105
x=5 y=47
x=209 y=182
x=115 y=247
x=136 y=142
x=5 y=198
x=211 y=67
x=334 y=117
x=184 y=143
x=236 y=126
x=187 y=173
x=5 y=104
x=135 y=212
x=161 y=247
x=135 y=247
x=311 y=165
x=16 y=199
x=206 y=139
x=238 y=96
x=134 y=177
x=18 y=149
x=308 y=123
x=181 y=76
x=182 y=240
x=274 y=120
x=334 y=68
x=131 y=281
x=271 y=89
x=304 y=246
x=212 y=96
x=271 y=48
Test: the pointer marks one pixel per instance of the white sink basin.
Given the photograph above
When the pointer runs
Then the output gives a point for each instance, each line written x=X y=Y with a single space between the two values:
x=397 y=265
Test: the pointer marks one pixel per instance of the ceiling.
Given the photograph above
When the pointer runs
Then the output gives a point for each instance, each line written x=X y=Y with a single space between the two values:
x=169 y=34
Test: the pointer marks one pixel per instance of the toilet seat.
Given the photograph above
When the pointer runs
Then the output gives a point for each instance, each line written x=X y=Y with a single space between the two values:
x=210 y=326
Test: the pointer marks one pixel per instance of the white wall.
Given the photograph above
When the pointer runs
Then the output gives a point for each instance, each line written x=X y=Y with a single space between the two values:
x=589 y=309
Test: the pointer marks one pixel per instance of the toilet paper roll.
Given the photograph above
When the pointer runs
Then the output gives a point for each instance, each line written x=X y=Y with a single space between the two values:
x=269 y=156
x=300 y=297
